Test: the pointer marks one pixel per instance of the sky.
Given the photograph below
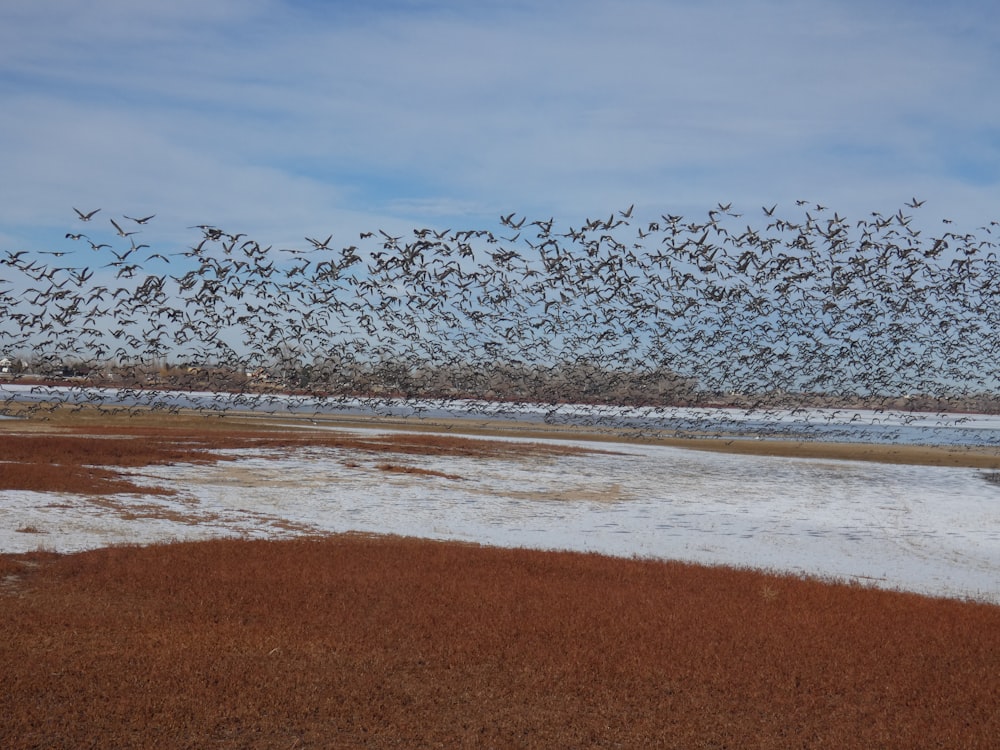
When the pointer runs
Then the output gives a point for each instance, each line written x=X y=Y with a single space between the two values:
x=288 y=119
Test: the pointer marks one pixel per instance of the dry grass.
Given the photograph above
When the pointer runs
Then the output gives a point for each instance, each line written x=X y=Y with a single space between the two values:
x=382 y=642
x=87 y=418
x=385 y=642
x=81 y=459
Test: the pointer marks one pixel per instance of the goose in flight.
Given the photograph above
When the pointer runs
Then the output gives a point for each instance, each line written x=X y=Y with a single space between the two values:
x=85 y=216
x=121 y=232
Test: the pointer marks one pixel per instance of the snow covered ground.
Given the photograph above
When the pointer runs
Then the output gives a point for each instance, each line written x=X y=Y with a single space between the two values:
x=927 y=529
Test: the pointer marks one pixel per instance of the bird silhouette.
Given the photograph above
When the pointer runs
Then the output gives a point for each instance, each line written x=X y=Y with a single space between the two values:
x=121 y=232
x=86 y=216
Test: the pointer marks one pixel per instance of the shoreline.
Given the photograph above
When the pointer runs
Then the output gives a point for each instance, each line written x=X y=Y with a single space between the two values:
x=977 y=457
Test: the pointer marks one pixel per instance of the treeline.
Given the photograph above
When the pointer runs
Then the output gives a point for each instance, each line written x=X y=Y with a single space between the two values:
x=583 y=383
x=564 y=383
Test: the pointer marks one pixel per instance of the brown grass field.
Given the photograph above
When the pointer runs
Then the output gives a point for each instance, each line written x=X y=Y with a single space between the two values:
x=348 y=641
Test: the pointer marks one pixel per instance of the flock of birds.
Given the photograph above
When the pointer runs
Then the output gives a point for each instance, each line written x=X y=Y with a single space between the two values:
x=615 y=309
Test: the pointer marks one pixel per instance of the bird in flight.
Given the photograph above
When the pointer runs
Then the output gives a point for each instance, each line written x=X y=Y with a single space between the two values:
x=142 y=220
x=320 y=245
x=85 y=216
x=121 y=232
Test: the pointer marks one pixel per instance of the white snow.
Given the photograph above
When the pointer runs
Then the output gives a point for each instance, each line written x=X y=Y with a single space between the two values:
x=932 y=530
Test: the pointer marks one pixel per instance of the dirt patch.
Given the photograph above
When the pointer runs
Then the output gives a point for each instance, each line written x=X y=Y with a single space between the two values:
x=920 y=455
x=415 y=470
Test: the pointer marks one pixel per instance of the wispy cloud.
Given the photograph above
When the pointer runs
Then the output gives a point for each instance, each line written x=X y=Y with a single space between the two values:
x=289 y=117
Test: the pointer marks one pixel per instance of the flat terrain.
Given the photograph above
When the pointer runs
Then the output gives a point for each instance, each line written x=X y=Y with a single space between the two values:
x=87 y=419
x=383 y=642
x=386 y=642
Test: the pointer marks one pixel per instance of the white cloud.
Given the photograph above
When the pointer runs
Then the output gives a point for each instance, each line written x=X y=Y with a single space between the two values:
x=303 y=115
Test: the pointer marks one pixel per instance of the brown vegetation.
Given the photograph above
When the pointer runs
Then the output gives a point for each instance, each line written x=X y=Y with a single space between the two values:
x=445 y=436
x=416 y=470
x=80 y=457
x=354 y=641
x=361 y=641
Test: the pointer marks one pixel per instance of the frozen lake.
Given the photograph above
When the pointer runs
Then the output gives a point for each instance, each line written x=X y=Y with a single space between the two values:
x=932 y=530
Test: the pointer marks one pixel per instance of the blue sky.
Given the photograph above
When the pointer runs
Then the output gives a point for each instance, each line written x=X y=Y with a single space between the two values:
x=289 y=118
